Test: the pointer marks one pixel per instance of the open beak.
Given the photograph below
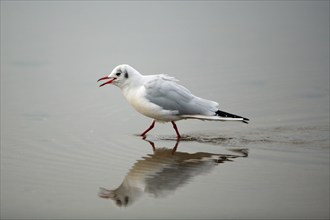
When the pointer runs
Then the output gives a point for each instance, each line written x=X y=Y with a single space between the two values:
x=108 y=82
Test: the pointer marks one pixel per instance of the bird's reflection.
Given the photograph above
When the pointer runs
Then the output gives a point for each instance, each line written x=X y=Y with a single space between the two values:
x=163 y=172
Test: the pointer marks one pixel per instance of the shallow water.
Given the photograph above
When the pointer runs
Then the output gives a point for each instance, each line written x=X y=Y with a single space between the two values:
x=71 y=150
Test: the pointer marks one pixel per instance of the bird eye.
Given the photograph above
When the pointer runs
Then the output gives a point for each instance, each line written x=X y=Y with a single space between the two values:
x=118 y=74
x=118 y=202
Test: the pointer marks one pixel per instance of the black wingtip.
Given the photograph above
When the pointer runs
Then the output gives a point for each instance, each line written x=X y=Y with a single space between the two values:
x=229 y=115
x=246 y=120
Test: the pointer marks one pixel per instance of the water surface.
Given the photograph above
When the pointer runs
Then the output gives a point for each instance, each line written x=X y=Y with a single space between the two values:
x=71 y=150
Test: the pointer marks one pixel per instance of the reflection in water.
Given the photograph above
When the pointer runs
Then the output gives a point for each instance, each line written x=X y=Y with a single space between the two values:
x=163 y=172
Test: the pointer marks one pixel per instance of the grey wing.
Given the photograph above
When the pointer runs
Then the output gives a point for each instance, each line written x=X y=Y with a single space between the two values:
x=168 y=94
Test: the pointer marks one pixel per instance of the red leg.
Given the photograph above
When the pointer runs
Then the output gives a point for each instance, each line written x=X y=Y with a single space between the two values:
x=176 y=130
x=175 y=147
x=151 y=127
x=151 y=143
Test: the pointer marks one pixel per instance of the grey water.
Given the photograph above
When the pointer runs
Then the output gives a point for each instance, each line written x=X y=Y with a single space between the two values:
x=72 y=150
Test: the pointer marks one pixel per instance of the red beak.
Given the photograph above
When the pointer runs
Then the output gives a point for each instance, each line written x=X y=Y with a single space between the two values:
x=108 y=82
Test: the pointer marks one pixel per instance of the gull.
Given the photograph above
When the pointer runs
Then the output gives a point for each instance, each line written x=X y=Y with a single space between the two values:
x=162 y=173
x=163 y=99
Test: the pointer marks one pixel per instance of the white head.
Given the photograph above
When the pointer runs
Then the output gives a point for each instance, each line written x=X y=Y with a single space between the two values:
x=120 y=75
x=124 y=195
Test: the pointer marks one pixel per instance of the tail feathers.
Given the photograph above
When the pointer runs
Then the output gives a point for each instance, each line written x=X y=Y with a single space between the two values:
x=218 y=116
x=212 y=118
x=229 y=115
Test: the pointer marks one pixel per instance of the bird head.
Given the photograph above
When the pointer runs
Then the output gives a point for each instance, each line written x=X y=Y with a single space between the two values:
x=119 y=75
x=124 y=195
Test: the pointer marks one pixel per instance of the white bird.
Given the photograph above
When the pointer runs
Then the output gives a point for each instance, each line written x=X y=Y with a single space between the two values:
x=163 y=172
x=162 y=98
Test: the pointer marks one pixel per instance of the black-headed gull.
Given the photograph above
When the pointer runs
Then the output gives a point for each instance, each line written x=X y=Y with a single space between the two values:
x=163 y=172
x=162 y=98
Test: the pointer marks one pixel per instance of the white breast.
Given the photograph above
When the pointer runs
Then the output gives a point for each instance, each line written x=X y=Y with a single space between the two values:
x=136 y=97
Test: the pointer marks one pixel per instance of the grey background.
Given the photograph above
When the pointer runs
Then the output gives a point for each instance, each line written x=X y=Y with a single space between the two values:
x=62 y=137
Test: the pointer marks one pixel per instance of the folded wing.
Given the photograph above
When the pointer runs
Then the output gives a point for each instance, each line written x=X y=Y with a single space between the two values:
x=165 y=92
